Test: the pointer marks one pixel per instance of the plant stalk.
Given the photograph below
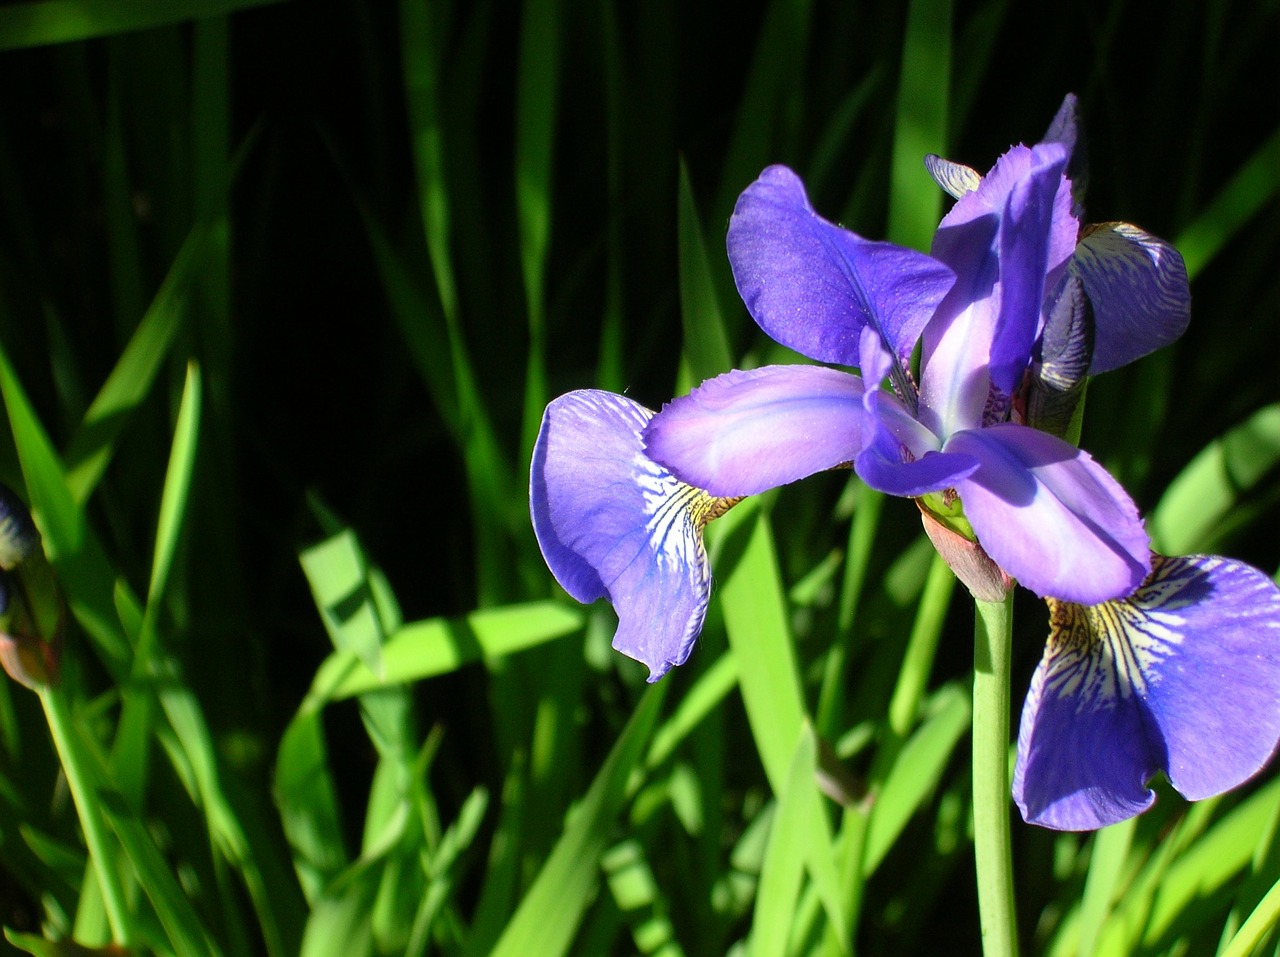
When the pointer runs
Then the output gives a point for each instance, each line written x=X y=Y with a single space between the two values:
x=992 y=839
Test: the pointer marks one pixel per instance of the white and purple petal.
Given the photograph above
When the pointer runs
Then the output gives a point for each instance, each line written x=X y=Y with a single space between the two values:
x=956 y=179
x=1137 y=285
x=610 y=521
x=1182 y=677
x=743 y=432
x=813 y=286
x=1050 y=516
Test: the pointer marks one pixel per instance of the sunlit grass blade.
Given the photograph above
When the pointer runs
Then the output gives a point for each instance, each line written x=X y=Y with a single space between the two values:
x=1182 y=870
x=340 y=580
x=1107 y=866
x=706 y=348
x=177 y=483
x=782 y=870
x=85 y=782
x=131 y=752
x=1252 y=188
x=172 y=905
x=712 y=687
x=63 y=21
x=636 y=892
x=1208 y=498
x=755 y=617
x=443 y=870
x=1257 y=928
x=916 y=771
x=759 y=636
x=922 y=647
x=920 y=126
x=568 y=879
x=862 y=534
x=439 y=646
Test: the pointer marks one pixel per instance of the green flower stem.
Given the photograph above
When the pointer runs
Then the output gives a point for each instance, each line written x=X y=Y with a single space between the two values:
x=80 y=781
x=992 y=845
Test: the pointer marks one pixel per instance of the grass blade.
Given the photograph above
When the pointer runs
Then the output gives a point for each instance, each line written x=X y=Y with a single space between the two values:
x=569 y=877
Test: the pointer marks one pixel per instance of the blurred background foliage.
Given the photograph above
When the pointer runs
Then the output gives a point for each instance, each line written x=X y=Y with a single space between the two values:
x=385 y=234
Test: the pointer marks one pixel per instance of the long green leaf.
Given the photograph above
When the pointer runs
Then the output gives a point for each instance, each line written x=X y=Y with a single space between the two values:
x=706 y=347
x=924 y=85
x=438 y=646
x=90 y=449
x=1203 y=502
x=551 y=911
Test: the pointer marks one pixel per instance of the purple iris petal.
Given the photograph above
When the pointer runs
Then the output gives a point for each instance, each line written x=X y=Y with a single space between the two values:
x=1050 y=516
x=902 y=457
x=1036 y=240
x=1183 y=677
x=1137 y=285
x=813 y=286
x=1005 y=241
x=611 y=521
x=744 y=432
x=1065 y=129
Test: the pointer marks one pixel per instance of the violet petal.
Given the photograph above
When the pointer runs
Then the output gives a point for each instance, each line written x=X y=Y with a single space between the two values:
x=744 y=432
x=813 y=286
x=1138 y=287
x=611 y=521
x=1050 y=516
x=1183 y=677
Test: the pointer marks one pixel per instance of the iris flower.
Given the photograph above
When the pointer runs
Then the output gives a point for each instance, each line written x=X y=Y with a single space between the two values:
x=1016 y=304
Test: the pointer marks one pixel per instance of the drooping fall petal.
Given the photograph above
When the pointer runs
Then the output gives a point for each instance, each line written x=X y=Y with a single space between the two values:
x=1050 y=516
x=610 y=521
x=1181 y=677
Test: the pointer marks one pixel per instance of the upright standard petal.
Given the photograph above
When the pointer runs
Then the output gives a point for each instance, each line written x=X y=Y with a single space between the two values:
x=1050 y=516
x=743 y=432
x=1005 y=241
x=610 y=521
x=813 y=286
x=1182 y=677
x=1138 y=287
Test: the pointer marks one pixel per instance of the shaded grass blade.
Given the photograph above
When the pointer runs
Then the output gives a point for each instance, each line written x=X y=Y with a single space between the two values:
x=63 y=21
x=90 y=449
x=1252 y=188
x=706 y=347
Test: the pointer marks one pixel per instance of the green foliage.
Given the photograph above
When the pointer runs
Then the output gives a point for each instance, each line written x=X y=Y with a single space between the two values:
x=284 y=289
